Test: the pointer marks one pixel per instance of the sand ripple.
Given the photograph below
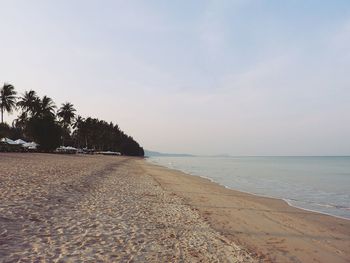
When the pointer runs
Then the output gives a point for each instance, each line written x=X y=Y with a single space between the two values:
x=58 y=208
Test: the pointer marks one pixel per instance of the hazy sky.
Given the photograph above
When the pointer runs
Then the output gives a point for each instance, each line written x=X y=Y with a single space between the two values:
x=204 y=77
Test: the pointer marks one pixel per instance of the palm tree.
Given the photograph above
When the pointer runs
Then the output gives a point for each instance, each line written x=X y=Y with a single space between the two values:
x=28 y=102
x=46 y=107
x=77 y=122
x=7 y=99
x=78 y=126
x=21 y=120
x=66 y=113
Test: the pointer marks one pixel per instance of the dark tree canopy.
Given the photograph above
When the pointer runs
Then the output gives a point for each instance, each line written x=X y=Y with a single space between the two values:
x=45 y=131
x=28 y=103
x=5 y=130
x=66 y=113
x=38 y=121
x=104 y=136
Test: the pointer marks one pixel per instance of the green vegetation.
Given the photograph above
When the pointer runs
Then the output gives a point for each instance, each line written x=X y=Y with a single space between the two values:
x=39 y=121
x=7 y=99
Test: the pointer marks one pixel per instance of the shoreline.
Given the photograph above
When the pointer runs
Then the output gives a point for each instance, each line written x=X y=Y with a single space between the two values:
x=66 y=208
x=264 y=196
x=286 y=200
x=119 y=209
x=271 y=229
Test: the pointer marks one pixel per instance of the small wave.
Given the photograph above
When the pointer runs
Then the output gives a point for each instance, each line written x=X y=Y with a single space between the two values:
x=296 y=204
x=336 y=210
x=327 y=205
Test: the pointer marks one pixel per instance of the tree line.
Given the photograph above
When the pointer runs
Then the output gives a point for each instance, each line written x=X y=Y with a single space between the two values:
x=41 y=121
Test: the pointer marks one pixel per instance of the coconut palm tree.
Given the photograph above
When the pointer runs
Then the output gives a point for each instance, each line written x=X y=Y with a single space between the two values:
x=7 y=99
x=21 y=121
x=66 y=113
x=46 y=107
x=28 y=102
x=77 y=122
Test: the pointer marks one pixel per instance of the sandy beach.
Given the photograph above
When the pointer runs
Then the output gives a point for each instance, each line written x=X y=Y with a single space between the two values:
x=57 y=208
x=61 y=208
x=269 y=228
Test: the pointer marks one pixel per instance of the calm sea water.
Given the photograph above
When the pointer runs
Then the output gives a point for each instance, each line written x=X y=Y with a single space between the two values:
x=319 y=184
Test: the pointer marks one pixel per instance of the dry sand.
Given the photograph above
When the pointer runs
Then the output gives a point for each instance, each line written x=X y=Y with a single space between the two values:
x=57 y=208
x=269 y=228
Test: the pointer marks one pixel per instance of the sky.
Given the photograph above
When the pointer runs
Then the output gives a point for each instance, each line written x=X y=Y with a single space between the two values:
x=238 y=77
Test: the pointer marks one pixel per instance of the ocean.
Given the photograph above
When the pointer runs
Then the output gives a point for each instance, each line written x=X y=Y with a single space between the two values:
x=320 y=184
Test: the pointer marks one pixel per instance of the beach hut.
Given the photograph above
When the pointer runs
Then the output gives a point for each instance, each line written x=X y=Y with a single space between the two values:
x=8 y=145
x=30 y=146
x=66 y=149
x=8 y=141
x=88 y=151
x=20 y=141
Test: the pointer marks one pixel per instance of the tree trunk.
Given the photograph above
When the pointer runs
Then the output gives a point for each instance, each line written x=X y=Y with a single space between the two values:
x=2 y=115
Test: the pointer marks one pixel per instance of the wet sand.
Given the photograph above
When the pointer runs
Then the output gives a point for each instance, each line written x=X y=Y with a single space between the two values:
x=64 y=208
x=269 y=228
